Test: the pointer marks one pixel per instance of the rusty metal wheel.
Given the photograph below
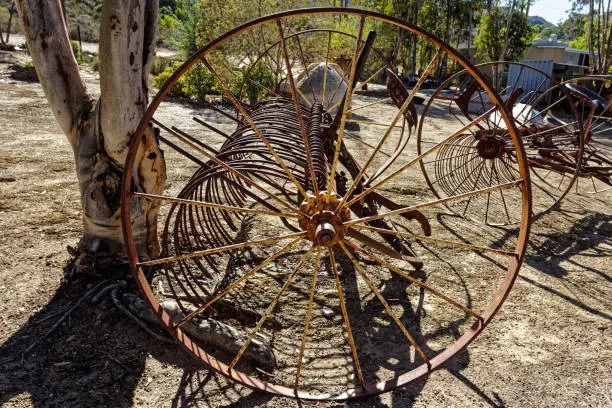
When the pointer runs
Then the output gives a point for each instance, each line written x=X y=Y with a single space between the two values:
x=316 y=252
x=590 y=98
x=482 y=157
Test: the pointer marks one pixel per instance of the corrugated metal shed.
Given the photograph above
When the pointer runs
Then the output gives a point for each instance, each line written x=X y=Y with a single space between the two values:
x=528 y=79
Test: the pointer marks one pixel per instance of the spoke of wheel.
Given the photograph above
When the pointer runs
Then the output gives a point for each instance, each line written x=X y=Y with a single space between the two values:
x=417 y=159
x=433 y=203
x=501 y=193
x=415 y=281
x=361 y=85
x=313 y=289
x=358 y=140
x=482 y=167
x=270 y=308
x=364 y=83
x=263 y=87
x=398 y=116
x=226 y=166
x=435 y=240
x=214 y=205
x=385 y=304
x=349 y=91
x=248 y=118
x=239 y=281
x=347 y=323
x=369 y=105
x=297 y=106
x=532 y=135
x=325 y=71
x=225 y=248
x=372 y=123
x=299 y=43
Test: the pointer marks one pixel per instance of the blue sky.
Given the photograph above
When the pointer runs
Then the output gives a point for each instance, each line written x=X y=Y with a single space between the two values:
x=551 y=10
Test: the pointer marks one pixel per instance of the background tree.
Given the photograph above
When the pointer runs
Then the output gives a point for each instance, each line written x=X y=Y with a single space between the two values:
x=504 y=33
x=598 y=35
x=99 y=130
x=11 y=11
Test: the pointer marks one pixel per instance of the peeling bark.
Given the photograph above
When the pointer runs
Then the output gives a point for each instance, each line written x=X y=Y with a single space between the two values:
x=99 y=131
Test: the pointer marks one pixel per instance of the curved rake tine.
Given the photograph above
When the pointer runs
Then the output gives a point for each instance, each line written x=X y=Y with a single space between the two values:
x=227 y=167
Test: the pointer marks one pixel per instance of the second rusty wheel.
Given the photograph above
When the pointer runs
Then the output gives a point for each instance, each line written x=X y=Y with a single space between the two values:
x=296 y=260
x=482 y=157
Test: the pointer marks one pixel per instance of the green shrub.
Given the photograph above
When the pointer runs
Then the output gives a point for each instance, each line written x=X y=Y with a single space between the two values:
x=160 y=64
x=76 y=50
x=194 y=84
x=260 y=74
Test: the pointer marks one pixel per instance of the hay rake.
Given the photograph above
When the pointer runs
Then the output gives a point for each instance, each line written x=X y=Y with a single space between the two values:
x=564 y=128
x=300 y=203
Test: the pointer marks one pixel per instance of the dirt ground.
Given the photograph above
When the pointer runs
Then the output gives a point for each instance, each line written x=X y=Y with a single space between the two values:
x=550 y=345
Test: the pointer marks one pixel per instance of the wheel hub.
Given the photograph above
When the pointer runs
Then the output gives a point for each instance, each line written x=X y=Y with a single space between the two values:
x=323 y=224
x=490 y=147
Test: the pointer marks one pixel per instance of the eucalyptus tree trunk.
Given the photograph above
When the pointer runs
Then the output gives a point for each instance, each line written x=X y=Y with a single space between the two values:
x=99 y=131
x=11 y=10
x=502 y=54
x=592 y=60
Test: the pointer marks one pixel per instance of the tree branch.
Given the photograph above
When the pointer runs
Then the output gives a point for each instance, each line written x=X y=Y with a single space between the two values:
x=57 y=69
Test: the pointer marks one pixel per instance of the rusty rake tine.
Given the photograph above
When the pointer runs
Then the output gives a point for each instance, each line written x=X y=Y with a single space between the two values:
x=183 y=152
x=250 y=121
x=347 y=323
x=415 y=281
x=294 y=95
x=211 y=127
x=308 y=316
x=348 y=95
x=222 y=112
x=383 y=301
x=237 y=282
x=271 y=306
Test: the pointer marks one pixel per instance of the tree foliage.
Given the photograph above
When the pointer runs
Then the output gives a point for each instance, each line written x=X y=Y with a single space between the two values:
x=504 y=33
x=598 y=36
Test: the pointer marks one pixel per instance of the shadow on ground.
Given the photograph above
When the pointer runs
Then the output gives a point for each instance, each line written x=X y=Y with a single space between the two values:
x=98 y=357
